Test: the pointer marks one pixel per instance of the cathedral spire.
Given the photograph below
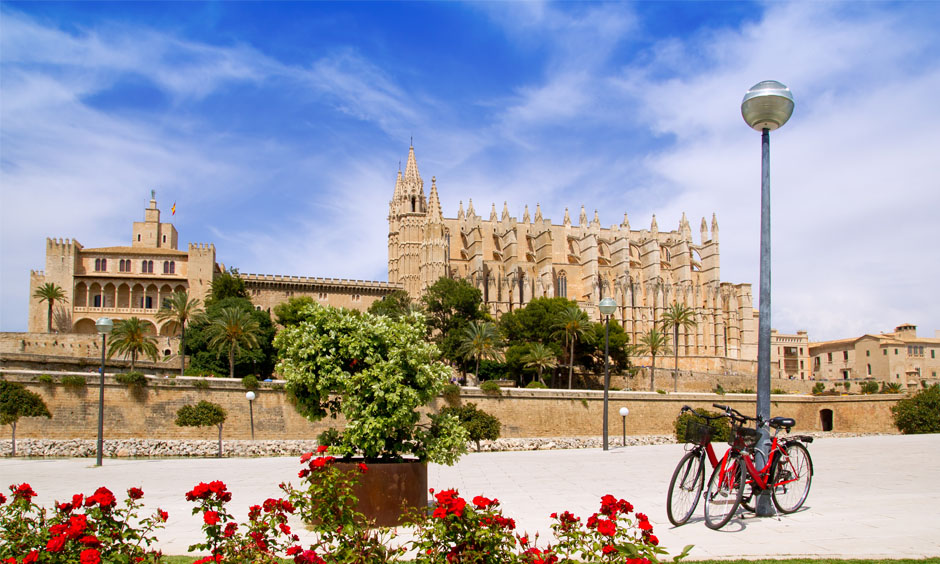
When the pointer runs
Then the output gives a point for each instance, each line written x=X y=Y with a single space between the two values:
x=596 y=220
x=654 y=227
x=525 y=215
x=493 y=212
x=412 y=183
x=567 y=218
x=505 y=216
x=582 y=219
x=471 y=212
x=460 y=213
x=704 y=230
x=434 y=202
x=538 y=212
x=626 y=222
x=714 y=228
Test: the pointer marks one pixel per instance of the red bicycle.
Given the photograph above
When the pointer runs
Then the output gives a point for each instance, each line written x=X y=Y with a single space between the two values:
x=688 y=479
x=788 y=472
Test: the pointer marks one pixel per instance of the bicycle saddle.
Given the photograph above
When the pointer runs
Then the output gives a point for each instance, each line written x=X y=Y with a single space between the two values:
x=782 y=422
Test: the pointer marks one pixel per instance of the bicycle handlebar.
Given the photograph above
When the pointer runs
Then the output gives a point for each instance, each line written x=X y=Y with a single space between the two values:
x=735 y=414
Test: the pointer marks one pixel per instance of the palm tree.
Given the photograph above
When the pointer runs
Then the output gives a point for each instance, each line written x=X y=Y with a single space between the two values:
x=675 y=316
x=539 y=357
x=234 y=329
x=130 y=338
x=480 y=340
x=654 y=343
x=180 y=308
x=572 y=323
x=52 y=293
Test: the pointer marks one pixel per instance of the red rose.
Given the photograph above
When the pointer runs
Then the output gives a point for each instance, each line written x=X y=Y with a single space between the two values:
x=606 y=527
x=284 y=528
x=135 y=493
x=163 y=515
x=55 y=544
x=90 y=540
x=363 y=468
x=77 y=525
x=652 y=540
x=90 y=556
x=321 y=449
x=210 y=517
x=24 y=490
x=230 y=529
x=608 y=549
x=305 y=457
x=104 y=498
x=483 y=502
x=33 y=556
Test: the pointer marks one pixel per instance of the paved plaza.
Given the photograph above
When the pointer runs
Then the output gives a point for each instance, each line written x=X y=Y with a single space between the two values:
x=875 y=496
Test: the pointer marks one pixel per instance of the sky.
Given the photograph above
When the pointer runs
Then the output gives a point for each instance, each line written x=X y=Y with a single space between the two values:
x=277 y=129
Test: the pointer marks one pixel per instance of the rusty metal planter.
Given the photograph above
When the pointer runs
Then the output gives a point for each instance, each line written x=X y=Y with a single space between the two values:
x=389 y=490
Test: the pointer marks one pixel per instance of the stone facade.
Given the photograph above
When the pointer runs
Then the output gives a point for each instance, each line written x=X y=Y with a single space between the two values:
x=133 y=281
x=789 y=356
x=513 y=261
x=900 y=356
x=121 y=282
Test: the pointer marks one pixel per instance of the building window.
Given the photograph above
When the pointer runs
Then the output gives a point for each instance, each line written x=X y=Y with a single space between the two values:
x=801 y=365
x=869 y=370
x=97 y=300
x=125 y=265
x=830 y=356
x=562 y=285
x=138 y=236
x=845 y=374
x=933 y=353
x=148 y=301
x=146 y=267
x=845 y=355
x=895 y=352
x=101 y=265
x=867 y=353
x=164 y=238
x=169 y=267
x=885 y=351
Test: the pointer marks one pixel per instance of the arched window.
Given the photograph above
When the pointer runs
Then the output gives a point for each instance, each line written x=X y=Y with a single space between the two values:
x=104 y=265
x=166 y=267
x=146 y=267
x=98 y=265
x=562 y=290
x=172 y=267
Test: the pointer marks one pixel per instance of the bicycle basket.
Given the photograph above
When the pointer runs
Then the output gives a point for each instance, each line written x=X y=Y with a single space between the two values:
x=744 y=437
x=698 y=433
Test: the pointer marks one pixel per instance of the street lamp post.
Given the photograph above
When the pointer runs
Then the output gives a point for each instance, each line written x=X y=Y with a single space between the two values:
x=765 y=107
x=623 y=413
x=104 y=326
x=607 y=307
x=250 y=396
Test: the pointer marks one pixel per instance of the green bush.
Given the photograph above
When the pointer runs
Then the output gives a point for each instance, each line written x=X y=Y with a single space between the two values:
x=203 y=414
x=329 y=437
x=718 y=390
x=201 y=384
x=538 y=385
x=250 y=382
x=46 y=379
x=491 y=388
x=451 y=394
x=778 y=391
x=74 y=381
x=919 y=413
x=819 y=388
x=847 y=385
x=663 y=392
x=132 y=379
x=721 y=427
x=890 y=388
x=479 y=424
x=870 y=387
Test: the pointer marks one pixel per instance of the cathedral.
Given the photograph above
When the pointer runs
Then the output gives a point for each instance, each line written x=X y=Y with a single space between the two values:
x=510 y=260
x=513 y=261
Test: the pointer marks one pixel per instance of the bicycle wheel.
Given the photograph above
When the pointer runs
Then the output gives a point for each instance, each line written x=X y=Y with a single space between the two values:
x=724 y=493
x=688 y=479
x=793 y=475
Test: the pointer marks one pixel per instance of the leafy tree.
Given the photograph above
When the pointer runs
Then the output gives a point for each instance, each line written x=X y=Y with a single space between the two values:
x=540 y=357
x=203 y=414
x=377 y=373
x=451 y=305
x=231 y=330
x=50 y=293
x=130 y=338
x=919 y=413
x=481 y=340
x=479 y=424
x=535 y=323
x=571 y=324
x=394 y=305
x=677 y=315
x=654 y=343
x=288 y=313
x=180 y=308
x=15 y=402
x=206 y=359
x=227 y=285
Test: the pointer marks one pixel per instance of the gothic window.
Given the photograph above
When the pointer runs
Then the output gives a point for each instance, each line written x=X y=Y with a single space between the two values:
x=166 y=267
x=172 y=267
x=413 y=204
x=562 y=290
x=101 y=265
x=146 y=267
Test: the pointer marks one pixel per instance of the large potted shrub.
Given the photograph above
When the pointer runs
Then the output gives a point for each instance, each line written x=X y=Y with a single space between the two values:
x=377 y=373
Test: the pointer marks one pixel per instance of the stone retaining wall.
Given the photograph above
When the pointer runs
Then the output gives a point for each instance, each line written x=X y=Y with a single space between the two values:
x=149 y=413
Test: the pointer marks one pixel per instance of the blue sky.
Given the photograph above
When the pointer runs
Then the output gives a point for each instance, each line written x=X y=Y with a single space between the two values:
x=276 y=126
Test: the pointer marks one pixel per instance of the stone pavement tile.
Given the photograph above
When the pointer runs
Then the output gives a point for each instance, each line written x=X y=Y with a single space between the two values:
x=871 y=496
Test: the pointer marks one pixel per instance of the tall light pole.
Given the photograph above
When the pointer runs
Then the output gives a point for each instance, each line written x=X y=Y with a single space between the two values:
x=765 y=107
x=104 y=326
x=623 y=413
x=607 y=307
x=250 y=396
